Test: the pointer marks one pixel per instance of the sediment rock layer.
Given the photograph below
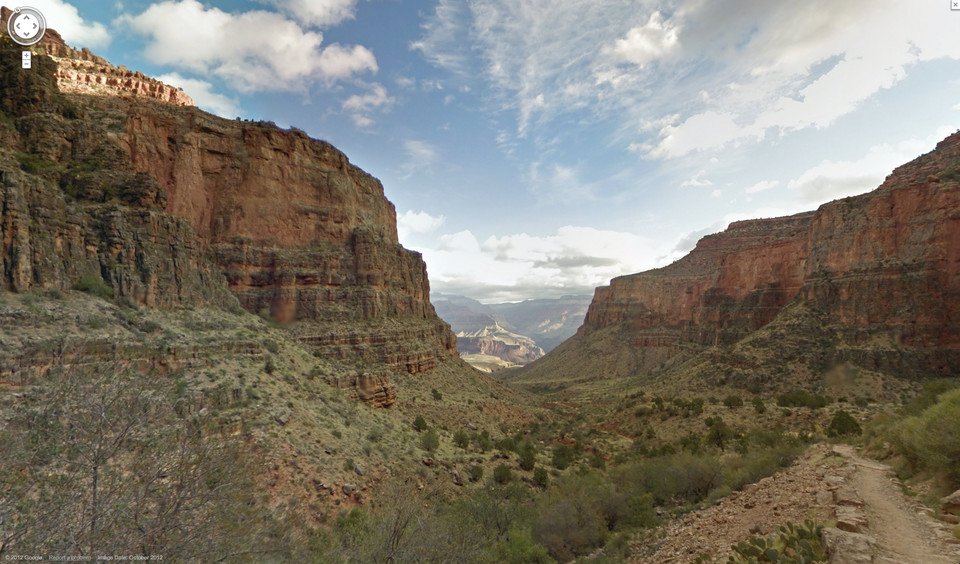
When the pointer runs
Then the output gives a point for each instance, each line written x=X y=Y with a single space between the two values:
x=881 y=271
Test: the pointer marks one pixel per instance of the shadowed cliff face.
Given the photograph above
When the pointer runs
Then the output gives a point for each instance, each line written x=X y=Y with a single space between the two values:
x=171 y=206
x=878 y=276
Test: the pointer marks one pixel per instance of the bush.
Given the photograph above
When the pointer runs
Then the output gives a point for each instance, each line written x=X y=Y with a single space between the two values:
x=502 y=474
x=270 y=366
x=482 y=440
x=430 y=440
x=461 y=439
x=563 y=456
x=758 y=405
x=733 y=402
x=476 y=473
x=95 y=286
x=802 y=398
x=528 y=456
x=419 y=424
x=843 y=424
x=931 y=441
x=540 y=477
x=436 y=394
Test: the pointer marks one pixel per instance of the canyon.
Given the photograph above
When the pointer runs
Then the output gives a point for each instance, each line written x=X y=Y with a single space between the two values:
x=869 y=283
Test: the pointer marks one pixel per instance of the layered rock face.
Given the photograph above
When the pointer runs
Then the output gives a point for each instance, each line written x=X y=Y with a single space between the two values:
x=496 y=341
x=163 y=191
x=82 y=72
x=882 y=268
x=732 y=283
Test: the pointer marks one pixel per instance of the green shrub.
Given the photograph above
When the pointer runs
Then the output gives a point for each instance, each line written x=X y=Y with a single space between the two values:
x=802 y=398
x=528 y=456
x=733 y=402
x=931 y=441
x=843 y=424
x=419 y=424
x=436 y=394
x=563 y=456
x=758 y=405
x=518 y=547
x=672 y=478
x=506 y=445
x=502 y=474
x=95 y=286
x=461 y=439
x=430 y=440
x=476 y=473
x=540 y=477
x=270 y=366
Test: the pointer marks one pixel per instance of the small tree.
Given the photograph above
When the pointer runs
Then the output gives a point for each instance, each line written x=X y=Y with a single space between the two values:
x=476 y=473
x=758 y=405
x=540 y=477
x=430 y=440
x=843 y=424
x=502 y=474
x=461 y=439
x=733 y=402
x=528 y=456
x=419 y=424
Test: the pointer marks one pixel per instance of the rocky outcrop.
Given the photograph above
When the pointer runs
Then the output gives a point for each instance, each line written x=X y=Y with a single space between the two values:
x=878 y=274
x=149 y=196
x=374 y=388
x=496 y=341
x=732 y=283
x=144 y=255
x=82 y=72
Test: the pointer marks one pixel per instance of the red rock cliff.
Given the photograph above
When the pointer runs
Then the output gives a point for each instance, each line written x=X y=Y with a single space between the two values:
x=883 y=267
x=732 y=283
x=297 y=232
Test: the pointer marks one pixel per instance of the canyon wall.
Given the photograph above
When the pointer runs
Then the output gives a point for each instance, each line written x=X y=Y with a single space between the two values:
x=880 y=272
x=170 y=206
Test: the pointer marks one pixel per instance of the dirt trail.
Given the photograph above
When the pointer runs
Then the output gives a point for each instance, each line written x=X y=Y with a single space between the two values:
x=902 y=533
x=827 y=480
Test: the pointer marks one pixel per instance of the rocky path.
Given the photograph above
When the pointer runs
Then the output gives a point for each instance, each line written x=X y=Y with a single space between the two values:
x=903 y=531
x=876 y=522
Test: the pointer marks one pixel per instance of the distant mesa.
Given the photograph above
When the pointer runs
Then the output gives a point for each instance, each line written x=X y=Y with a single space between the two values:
x=496 y=336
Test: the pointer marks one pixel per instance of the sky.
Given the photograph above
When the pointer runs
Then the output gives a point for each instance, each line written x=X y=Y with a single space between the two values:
x=538 y=148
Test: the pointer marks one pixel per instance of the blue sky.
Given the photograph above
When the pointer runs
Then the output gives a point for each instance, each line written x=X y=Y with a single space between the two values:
x=535 y=148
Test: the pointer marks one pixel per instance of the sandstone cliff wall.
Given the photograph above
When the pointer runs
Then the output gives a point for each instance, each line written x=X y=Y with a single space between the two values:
x=882 y=268
x=730 y=284
x=152 y=194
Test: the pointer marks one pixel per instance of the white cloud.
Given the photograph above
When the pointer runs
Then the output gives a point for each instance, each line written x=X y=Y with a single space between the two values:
x=698 y=181
x=203 y=95
x=442 y=41
x=411 y=222
x=361 y=105
x=809 y=69
x=687 y=76
x=320 y=13
x=762 y=186
x=647 y=43
x=575 y=259
x=830 y=180
x=65 y=18
x=700 y=132
x=716 y=193
x=421 y=156
x=252 y=51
